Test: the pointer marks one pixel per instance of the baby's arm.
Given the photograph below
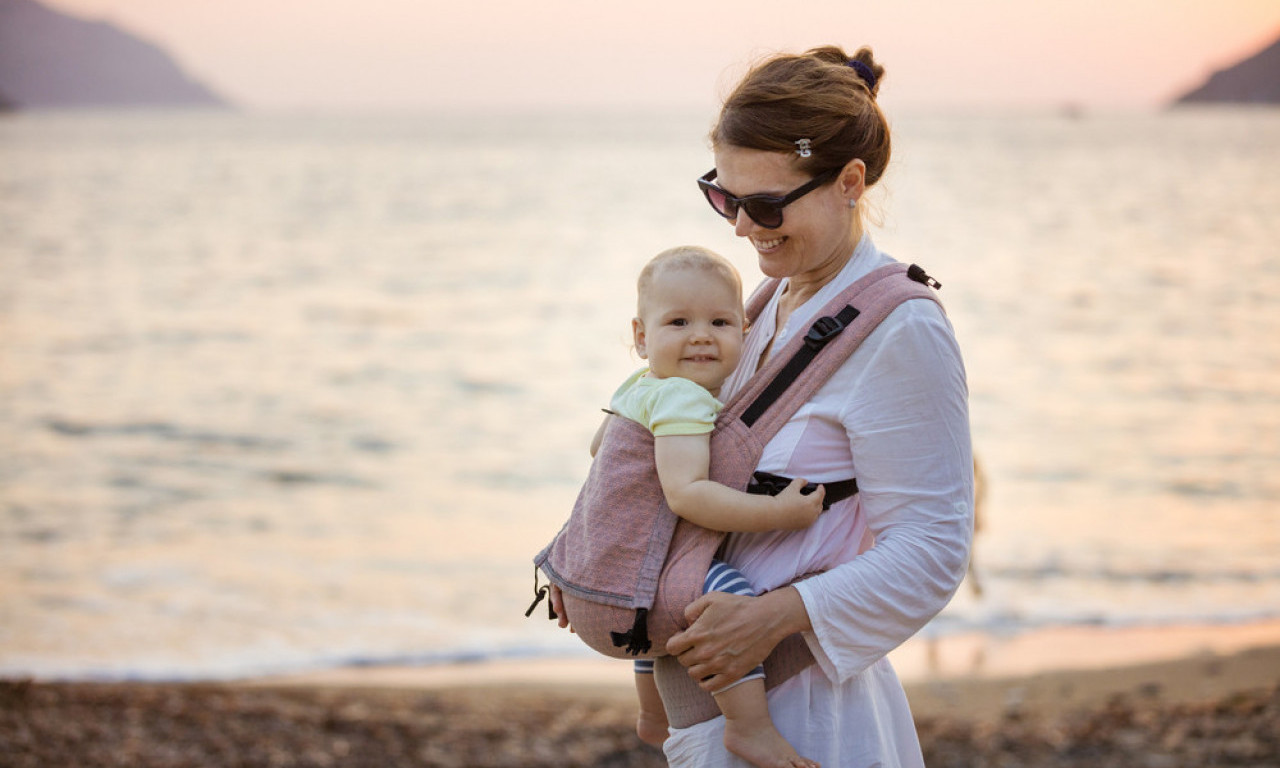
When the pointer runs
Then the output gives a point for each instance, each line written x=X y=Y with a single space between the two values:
x=683 y=461
x=595 y=441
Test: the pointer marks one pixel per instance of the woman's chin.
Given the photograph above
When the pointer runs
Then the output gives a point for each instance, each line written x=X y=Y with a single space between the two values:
x=775 y=268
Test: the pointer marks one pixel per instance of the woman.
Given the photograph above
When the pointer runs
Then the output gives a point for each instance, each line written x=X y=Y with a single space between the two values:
x=806 y=132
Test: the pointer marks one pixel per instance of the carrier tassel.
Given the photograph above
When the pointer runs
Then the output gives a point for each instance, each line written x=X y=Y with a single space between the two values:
x=540 y=594
x=637 y=639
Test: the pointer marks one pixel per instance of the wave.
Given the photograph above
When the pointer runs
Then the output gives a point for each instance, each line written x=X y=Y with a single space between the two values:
x=1002 y=625
x=1157 y=576
x=254 y=666
x=1005 y=623
x=163 y=431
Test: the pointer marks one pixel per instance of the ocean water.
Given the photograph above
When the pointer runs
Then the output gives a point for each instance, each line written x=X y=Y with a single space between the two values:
x=282 y=392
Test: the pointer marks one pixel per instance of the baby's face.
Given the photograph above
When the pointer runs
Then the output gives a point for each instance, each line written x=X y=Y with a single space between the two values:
x=691 y=326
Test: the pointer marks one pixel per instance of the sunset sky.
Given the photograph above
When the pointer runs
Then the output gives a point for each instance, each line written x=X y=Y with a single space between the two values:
x=493 y=54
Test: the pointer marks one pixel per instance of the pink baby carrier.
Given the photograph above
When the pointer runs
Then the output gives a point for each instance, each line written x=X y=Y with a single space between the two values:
x=628 y=566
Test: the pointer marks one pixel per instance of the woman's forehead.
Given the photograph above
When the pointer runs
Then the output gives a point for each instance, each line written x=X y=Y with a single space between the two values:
x=752 y=171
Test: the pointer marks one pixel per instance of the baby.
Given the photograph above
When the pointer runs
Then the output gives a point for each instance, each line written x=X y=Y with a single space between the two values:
x=690 y=327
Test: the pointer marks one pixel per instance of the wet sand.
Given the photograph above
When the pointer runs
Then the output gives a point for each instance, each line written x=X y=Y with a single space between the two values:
x=1205 y=707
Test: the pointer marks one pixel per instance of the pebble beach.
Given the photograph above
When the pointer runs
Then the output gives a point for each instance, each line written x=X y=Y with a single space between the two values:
x=1201 y=709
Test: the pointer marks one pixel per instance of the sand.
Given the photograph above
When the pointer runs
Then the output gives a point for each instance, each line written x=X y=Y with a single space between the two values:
x=1199 y=697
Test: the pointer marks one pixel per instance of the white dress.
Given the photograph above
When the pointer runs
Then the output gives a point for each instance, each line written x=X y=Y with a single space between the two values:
x=895 y=416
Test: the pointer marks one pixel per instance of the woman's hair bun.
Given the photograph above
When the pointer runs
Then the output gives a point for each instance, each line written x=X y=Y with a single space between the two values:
x=863 y=63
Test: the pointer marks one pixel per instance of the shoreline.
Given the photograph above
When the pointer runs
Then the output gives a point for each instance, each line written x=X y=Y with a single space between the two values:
x=1063 y=698
x=920 y=662
x=1046 y=674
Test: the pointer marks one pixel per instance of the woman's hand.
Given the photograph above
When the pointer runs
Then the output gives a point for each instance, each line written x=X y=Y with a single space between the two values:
x=729 y=635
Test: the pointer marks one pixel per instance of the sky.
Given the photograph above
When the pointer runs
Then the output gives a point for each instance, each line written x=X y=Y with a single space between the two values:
x=498 y=54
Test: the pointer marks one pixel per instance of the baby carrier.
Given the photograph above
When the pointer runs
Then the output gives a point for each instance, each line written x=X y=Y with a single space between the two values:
x=627 y=566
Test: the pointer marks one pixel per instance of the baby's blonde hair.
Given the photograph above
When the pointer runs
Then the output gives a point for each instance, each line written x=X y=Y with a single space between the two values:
x=687 y=257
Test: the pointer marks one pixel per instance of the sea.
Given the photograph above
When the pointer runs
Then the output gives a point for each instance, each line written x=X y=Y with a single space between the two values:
x=283 y=392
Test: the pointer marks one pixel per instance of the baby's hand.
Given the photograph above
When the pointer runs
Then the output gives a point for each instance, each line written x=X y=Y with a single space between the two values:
x=557 y=607
x=797 y=510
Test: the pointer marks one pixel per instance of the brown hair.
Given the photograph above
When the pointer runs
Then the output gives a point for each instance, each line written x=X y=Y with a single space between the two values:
x=687 y=257
x=817 y=96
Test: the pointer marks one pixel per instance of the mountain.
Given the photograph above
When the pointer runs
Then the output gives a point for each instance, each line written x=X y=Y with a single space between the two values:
x=50 y=59
x=1256 y=80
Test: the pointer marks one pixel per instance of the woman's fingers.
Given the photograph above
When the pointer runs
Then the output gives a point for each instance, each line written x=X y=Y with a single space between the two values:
x=681 y=643
x=730 y=634
x=714 y=645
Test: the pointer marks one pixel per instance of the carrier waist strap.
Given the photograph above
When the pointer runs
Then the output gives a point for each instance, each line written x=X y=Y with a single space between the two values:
x=769 y=484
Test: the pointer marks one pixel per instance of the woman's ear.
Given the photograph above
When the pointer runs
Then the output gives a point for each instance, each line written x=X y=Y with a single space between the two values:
x=853 y=179
x=637 y=337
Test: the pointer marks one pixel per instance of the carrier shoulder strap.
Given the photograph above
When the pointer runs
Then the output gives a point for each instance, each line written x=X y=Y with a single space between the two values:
x=860 y=307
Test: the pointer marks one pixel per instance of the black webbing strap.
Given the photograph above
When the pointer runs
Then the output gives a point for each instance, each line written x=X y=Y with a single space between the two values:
x=823 y=330
x=767 y=483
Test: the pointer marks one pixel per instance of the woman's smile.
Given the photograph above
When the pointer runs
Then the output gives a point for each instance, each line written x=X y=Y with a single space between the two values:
x=767 y=246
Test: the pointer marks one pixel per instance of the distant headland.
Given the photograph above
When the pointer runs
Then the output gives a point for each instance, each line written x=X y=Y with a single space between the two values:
x=50 y=60
x=1255 y=80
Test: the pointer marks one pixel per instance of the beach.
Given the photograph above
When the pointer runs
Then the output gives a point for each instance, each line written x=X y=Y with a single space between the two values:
x=1215 y=703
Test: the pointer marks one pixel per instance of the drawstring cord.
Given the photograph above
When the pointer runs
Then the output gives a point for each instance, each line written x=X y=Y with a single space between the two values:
x=540 y=594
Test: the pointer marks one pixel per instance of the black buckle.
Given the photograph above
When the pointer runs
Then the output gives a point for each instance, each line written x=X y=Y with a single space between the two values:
x=915 y=272
x=767 y=484
x=824 y=329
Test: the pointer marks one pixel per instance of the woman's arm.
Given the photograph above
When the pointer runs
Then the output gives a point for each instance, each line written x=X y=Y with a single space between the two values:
x=682 y=463
x=907 y=423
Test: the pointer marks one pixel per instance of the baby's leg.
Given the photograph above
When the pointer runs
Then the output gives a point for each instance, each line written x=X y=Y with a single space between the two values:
x=651 y=725
x=749 y=732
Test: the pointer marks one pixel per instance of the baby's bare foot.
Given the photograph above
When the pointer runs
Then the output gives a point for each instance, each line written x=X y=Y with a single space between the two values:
x=761 y=745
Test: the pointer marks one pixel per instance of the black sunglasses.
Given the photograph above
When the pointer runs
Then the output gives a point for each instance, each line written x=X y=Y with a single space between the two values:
x=765 y=210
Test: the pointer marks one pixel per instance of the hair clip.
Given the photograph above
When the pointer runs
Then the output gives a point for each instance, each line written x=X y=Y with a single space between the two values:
x=804 y=147
x=864 y=72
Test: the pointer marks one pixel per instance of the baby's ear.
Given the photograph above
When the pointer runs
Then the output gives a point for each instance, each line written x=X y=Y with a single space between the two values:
x=637 y=337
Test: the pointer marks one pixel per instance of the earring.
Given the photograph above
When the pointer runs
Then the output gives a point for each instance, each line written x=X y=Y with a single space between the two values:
x=853 y=203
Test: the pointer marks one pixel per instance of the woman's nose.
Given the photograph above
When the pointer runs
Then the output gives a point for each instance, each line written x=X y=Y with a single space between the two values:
x=743 y=224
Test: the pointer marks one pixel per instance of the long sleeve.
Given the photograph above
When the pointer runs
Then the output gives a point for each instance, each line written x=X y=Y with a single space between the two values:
x=906 y=418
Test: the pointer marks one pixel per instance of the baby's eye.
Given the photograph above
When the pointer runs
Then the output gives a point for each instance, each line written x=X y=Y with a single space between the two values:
x=721 y=323
x=679 y=322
